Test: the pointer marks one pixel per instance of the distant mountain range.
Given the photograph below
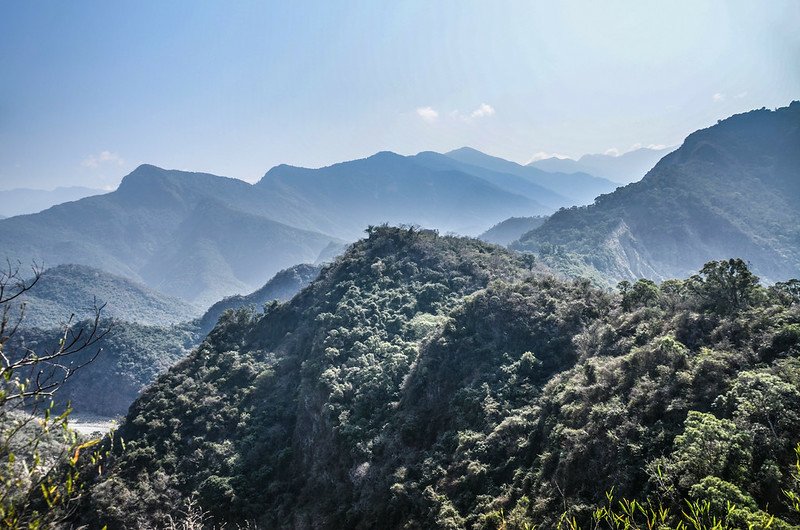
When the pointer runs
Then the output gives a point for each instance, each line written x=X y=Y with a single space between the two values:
x=578 y=188
x=389 y=188
x=192 y=235
x=202 y=237
x=20 y=201
x=731 y=190
x=624 y=169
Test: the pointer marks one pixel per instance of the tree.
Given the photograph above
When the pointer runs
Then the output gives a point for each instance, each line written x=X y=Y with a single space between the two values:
x=643 y=293
x=725 y=287
x=39 y=454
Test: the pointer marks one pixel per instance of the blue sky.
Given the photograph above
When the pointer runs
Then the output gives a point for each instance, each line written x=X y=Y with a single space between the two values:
x=89 y=90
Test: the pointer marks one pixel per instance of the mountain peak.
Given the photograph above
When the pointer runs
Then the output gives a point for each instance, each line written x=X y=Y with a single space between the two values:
x=465 y=150
x=143 y=171
x=385 y=155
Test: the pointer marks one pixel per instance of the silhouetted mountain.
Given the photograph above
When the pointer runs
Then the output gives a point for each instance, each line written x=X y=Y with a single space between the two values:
x=624 y=169
x=579 y=188
x=730 y=190
x=20 y=201
x=388 y=188
x=511 y=229
x=507 y=181
x=282 y=287
x=73 y=289
x=192 y=235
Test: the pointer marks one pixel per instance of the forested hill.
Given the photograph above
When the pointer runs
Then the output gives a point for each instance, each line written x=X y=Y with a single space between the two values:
x=149 y=332
x=439 y=382
x=74 y=289
x=730 y=190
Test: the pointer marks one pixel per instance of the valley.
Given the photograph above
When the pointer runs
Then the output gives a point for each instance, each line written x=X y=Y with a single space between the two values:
x=402 y=266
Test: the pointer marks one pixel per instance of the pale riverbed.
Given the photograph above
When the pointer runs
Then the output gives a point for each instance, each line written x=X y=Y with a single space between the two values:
x=88 y=425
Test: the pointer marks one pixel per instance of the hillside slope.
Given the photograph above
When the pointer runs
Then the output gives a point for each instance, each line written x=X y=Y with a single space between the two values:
x=507 y=181
x=149 y=332
x=343 y=345
x=73 y=289
x=730 y=190
x=131 y=356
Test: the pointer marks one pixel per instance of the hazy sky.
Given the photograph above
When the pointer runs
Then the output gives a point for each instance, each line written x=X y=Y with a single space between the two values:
x=89 y=90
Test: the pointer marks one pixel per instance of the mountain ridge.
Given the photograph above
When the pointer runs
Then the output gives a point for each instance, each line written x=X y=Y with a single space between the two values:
x=624 y=169
x=581 y=187
x=730 y=189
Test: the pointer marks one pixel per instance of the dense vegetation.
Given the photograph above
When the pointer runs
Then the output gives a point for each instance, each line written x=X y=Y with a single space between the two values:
x=426 y=381
x=132 y=354
x=68 y=290
x=131 y=357
x=729 y=190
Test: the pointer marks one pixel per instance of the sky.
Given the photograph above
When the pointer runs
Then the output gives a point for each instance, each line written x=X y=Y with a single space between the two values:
x=91 y=89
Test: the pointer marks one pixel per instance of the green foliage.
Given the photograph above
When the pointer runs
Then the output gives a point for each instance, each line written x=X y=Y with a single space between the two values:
x=425 y=381
x=725 y=286
x=43 y=468
x=41 y=459
x=133 y=355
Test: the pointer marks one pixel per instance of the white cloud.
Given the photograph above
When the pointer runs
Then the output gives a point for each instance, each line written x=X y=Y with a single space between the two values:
x=740 y=95
x=428 y=114
x=612 y=152
x=542 y=155
x=640 y=145
x=482 y=111
x=94 y=161
x=719 y=96
x=431 y=115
